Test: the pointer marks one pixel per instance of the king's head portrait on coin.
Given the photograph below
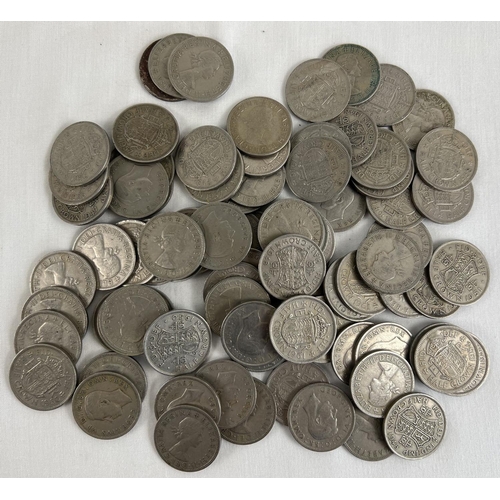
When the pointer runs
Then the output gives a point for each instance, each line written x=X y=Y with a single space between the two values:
x=106 y=406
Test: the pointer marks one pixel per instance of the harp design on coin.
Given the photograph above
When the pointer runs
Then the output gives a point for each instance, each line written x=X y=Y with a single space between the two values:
x=459 y=271
x=105 y=258
x=336 y=208
x=382 y=389
x=204 y=158
x=351 y=65
x=446 y=360
x=321 y=418
x=56 y=274
x=203 y=66
x=228 y=389
x=189 y=436
x=415 y=429
x=105 y=406
x=292 y=267
x=445 y=159
x=134 y=185
x=304 y=329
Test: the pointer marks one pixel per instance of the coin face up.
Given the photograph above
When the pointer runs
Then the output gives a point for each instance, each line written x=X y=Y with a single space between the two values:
x=384 y=337
x=398 y=212
x=330 y=130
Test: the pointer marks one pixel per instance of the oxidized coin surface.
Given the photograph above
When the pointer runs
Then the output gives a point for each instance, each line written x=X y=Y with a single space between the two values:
x=431 y=110
x=398 y=212
x=329 y=130
x=187 y=438
x=266 y=165
x=253 y=256
x=188 y=390
x=242 y=269
x=288 y=379
x=76 y=195
x=260 y=422
x=384 y=337
x=245 y=336
x=234 y=386
x=177 y=342
x=228 y=235
x=110 y=250
x=415 y=426
x=394 y=98
x=362 y=68
x=367 y=440
x=292 y=265
x=318 y=169
x=145 y=133
x=459 y=272
x=321 y=417
x=378 y=380
x=259 y=191
x=398 y=304
x=200 y=69
x=80 y=153
x=318 y=90
x=117 y=363
x=171 y=246
x=42 y=377
x=66 y=269
x=259 y=126
x=106 y=405
x=125 y=315
x=446 y=159
x=302 y=329
x=389 y=261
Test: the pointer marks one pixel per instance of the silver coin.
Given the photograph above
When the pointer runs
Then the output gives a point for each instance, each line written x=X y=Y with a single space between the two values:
x=242 y=208
x=254 y=222
x=318 y=169
x=266 y=165
x=253 y=257
x=66 y=269
x=292 y=265
x=318 y=90
x=169 y=166
x=394 y=99
x=459 y=272
x=110 y=250
x=398 y=304
x=328 y=248
x=145 y=133
x=384 y=337
x=323 y=129
x=242 y=269
x=362 y=68
x=378 y=380
x=42 y=377
x=80 y=154
x=259 y=191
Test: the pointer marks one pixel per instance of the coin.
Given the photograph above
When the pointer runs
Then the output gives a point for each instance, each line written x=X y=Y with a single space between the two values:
x=177 y=342
x=80 y=154
x=329 y=130
x=362 y=68
x=117 y=363
x=259 y=191
x=242 y=269
x=378 y=380
x=110 y=250
x=321 y=417
x=169 y=166
x=235 y=388
x=384 y=337
x=259 y=126
x=42 y=377
x=328 y=248
x=145 y=133
x=398 y=304
x=125 y=315
x=395 y=213
x=106 y=405
x=66 y=269
x=459 y=272
x=266 y=165
x=394 y=99
x=253 y=257
x=318 y=90
x=415 y=426
x=188 y=390
x=254 y=222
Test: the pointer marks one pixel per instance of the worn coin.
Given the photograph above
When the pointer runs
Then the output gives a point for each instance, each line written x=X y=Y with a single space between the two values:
x=169 y=166
x=384 y=337
x=242 y=269
x=323 y=129
x=266 y=165
x=328 y=248
x=42 y=377
x=395 y=213
x=253 y=257
x=259 y=191
x=254 y=222
x=399 y=304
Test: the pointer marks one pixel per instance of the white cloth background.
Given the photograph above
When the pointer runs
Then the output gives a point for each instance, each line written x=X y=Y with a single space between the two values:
x=55 y=74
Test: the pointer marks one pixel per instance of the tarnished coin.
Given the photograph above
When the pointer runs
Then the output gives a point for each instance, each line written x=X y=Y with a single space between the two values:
x=169 y=166
x=200 y=69
x=245 y=336
x=228 y=294
x=318 y=90
x=292 y=265
x=254 y=223
x=242 y=208
x=110 y=250
x=260 y=422
x=414 y=426
x=362 y=68
x=228 y=235
x=318 y=169
x=117 y=363
x=76 y=195
x=106 y=405
x=234 y=386
x=302 y=329
x=253 y=257
x=328 y=248
x=384 y=337
x=42 y=377
x=187 y=438
x=145 y=133
x=395 y=213
x=378 y=380
x=431 y=110
x=394 y=99
x=323 y=129
x=125 y=315
x=259 y=126
x=188 y=390
x=321 y=417
x=442 y=207
x=266 y=165
x=398 y=304
x=459 y=272
x=80 y=154
x=60 y=300
x=242 y=269
x=389 y=261
x=446 y=159
x=367 y=440
x=66 y=269
x=259 y=191
x=139 y=190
